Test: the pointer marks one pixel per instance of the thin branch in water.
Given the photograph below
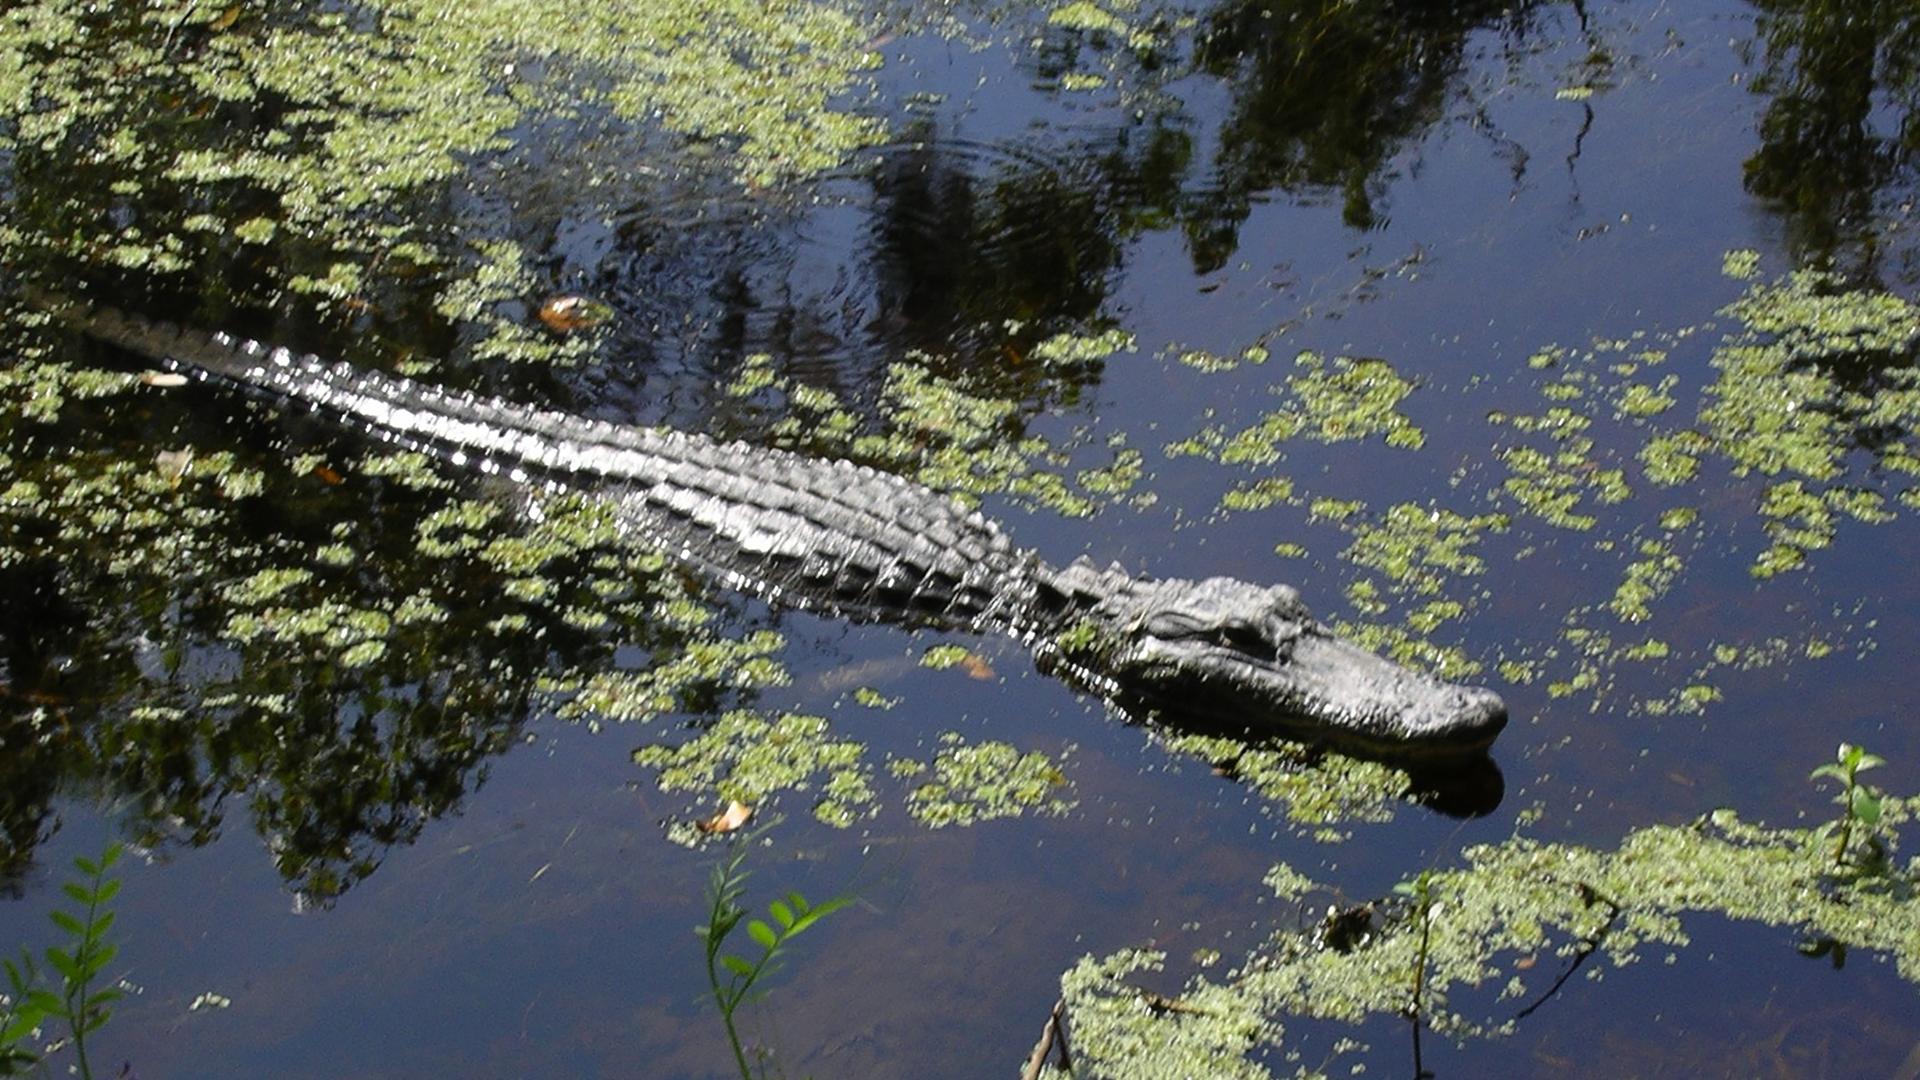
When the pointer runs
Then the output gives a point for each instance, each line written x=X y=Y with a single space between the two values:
x=1052 y=1036
x=1587 y=948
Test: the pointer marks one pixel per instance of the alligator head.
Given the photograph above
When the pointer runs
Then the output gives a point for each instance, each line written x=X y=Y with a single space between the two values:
x=1253 y=658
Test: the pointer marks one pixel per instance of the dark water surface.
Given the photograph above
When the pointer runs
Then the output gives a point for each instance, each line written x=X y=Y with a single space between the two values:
x=1415 y=187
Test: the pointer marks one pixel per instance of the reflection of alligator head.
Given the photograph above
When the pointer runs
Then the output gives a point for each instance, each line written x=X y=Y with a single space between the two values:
x=1252 y=660
x=830 y=534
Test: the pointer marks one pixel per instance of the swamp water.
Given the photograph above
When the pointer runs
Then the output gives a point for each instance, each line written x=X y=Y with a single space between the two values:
x=1564 y=349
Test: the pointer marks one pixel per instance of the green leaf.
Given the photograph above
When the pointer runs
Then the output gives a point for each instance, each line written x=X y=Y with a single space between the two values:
x=108 y=891
x=111 y=855
x=78 y=893
x=1829 y=770
x=47 y=1003
x=1866 y=806
x=832 y=906
x=63 y=963
x=781 y=913
x=763 y=934
x=99 y=927
x=105 y=997
x=799 y=902
x=87 y=866
x=68 y=923
x=101 y=957
x=24 y=1021
x=737 y=966
x=25 y=1015
x=1869 y=761
x=821 y=912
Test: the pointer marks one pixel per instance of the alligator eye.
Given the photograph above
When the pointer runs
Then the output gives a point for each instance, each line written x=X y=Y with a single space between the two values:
x=1242 y=636
x=1173 y=626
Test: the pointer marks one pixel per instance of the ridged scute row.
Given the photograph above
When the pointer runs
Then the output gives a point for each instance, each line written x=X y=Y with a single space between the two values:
x=806 y=531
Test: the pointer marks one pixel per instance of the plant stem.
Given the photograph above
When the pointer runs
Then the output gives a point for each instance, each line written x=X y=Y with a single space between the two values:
x=77 y=992
x=1846 y=818
x=722 y=914
x=1420 y=970
x=726 y=1017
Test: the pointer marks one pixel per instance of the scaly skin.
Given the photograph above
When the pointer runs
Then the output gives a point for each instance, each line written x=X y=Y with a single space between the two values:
x=826 y=534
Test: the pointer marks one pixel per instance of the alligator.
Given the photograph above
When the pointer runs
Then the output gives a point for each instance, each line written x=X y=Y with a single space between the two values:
x=832 y=535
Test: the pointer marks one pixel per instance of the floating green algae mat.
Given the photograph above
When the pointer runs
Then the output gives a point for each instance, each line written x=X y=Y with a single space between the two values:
x=1806 y=370
x=1494 y=918
x=967 y=783
x=331 y=139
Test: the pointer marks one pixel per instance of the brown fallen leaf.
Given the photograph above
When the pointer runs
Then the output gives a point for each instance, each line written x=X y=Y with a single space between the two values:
x=566 y=314
x=977 y=668
x=328 y=476
x=165 y=380
x=731 y=819
x=173 y=464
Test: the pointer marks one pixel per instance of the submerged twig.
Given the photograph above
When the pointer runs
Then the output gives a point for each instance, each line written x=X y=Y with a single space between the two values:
x=1587 y=948
x=1052 y=1036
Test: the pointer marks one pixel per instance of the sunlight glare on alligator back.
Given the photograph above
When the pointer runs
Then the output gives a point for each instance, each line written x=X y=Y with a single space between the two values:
x=831 y=535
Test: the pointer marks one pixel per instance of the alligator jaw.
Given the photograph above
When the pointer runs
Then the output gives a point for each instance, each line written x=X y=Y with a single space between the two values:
x=1252 y=660
x=1353 y=699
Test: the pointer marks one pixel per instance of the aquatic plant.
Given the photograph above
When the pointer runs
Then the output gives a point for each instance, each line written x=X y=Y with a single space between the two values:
x=1418 y=892
x=1506 y=907
x=967 y=783
x=28 y=1003
x=1860 y=804
x=791 y=917
x=748 y=757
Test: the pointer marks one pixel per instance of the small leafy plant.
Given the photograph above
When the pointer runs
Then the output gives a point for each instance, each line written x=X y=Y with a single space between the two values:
x=1860 y=804
x=790 y=917
x=1419 y=893
x=29 y=1003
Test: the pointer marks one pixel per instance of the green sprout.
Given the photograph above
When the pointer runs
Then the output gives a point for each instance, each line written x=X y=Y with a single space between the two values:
x=791 y=916
x=1859 y=803
x=27 y=1003
x=1419 y=892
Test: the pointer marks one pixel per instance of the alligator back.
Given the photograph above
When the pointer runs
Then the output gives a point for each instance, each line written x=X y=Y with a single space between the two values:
x=803 y=531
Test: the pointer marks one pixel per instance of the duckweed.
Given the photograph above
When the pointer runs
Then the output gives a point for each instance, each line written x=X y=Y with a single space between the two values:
x=1316 y=791
x=1777 y=411
x=1330 y=401
x=1495 y=916
x=1073 y=350
x=751 y=758
x=383 y=106
x=967 y=783
x=941 y=657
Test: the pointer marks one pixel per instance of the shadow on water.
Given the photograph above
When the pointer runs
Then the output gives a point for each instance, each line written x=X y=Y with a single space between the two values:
x=1323 y=97
x=1840 y=133
x=964 y=252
